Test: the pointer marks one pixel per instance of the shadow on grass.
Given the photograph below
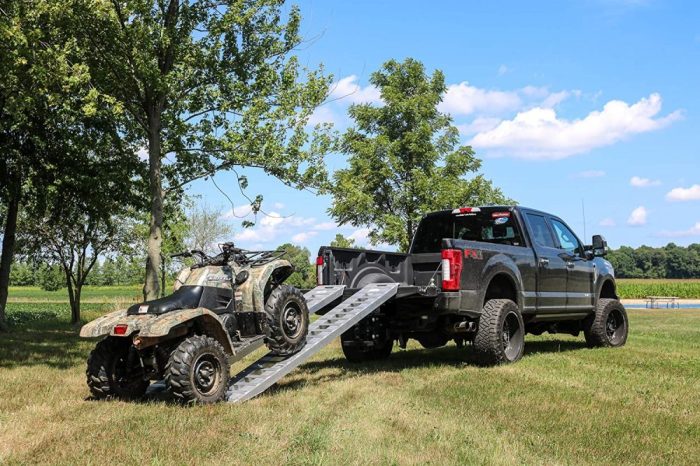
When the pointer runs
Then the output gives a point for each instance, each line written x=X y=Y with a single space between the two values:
x=412 y=359
x=50 y=342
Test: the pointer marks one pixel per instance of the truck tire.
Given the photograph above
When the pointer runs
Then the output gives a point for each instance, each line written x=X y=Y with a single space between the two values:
x=357 y=351
x=500 y=337
x=608 y=326
x=108 y=372
x=288 y=319
x=198 y=370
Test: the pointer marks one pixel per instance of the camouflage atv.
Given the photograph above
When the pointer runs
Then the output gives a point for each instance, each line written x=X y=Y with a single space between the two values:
x=189 y=339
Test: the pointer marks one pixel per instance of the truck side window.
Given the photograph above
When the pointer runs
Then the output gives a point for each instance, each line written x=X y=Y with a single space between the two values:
x=566 y=237
x=540 y=232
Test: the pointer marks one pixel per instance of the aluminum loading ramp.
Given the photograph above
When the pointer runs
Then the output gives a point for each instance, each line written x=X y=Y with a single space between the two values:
x=263 y=373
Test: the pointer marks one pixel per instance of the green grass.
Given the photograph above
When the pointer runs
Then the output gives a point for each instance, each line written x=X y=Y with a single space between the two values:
x=90 y=294
x=561 y=404
x=637 y=288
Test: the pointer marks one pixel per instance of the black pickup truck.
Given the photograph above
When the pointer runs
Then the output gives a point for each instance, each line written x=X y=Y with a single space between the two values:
x=485 y=275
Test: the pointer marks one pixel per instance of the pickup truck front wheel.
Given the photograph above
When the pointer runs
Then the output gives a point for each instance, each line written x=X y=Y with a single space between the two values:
x=608 y=327
x=501 y=334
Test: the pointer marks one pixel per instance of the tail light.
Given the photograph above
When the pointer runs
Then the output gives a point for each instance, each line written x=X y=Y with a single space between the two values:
x=451 y=269
x=319 y=270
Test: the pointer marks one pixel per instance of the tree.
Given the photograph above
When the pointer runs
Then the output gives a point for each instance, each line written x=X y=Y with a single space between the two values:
x=44 y=96
x=341 y=241
x=304 y=275
x=404 y=158
x=210 y=85
x=206 y=228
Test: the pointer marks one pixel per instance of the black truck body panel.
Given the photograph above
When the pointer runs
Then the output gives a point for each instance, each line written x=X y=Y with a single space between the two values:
x=550 y=281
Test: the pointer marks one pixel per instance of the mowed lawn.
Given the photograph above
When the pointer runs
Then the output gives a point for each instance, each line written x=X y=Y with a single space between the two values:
x=562 y=404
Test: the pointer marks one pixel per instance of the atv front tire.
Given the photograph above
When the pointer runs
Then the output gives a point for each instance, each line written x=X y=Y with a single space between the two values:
x=500 y=337
x=198 y=371
x=288 y=319
x=608 y=327
x=109 y=374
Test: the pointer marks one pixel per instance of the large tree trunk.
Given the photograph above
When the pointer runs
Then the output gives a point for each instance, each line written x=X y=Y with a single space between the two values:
x=8 y=250
x=75 y=304
x=151 y=289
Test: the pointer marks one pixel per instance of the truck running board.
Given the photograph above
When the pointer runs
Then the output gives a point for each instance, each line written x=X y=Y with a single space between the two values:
x=263 y=373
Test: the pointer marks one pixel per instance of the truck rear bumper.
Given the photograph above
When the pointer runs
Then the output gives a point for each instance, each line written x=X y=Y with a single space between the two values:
x=464 y=302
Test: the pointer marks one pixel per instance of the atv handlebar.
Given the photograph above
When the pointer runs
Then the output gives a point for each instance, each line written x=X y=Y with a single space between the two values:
x=230 y=252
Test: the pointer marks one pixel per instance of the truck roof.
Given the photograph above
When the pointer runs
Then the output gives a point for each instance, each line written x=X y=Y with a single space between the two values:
x=490 y=207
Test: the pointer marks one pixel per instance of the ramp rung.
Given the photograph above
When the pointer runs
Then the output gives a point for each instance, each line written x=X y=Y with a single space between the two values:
x=263 y=373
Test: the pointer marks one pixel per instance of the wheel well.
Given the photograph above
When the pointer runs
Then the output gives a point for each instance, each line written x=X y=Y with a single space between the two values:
x=208 y=325
x=501 y=287
x=608 y=290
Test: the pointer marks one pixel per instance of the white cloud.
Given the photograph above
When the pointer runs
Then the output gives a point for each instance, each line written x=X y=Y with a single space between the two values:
x=322 y=114
x=639 y=182
x=348 y=90
x=325 y=226
x=301 y=238
x=238 y=212
x=692 y=231
x=278 y=205
x=539 y=134
x=684 y=194
x=503 y=69
x=273 y=226
x=590 y=174
x=479 y=125
x=638 y=217
x=463 y=99
x=361 y=236
x=607 y=222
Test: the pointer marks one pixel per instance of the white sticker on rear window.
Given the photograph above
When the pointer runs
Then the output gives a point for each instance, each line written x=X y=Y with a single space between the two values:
x=501 y=220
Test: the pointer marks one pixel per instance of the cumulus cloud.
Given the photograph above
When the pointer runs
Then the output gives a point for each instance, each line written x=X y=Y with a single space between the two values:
x=361 y=236
x=590 y=174
x=325 y=226
x=347 y=89
x=639 y=182
x=273 y=226
x=301 y=238
x=464 y=99
x=692 y=231
x=638 y=217
x=684 y=194
x=539 y=133
x=503 y=69
x=607 y=222
x=238 y=212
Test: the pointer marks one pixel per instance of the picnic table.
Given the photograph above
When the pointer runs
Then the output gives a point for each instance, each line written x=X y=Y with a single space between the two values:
x=655 y=302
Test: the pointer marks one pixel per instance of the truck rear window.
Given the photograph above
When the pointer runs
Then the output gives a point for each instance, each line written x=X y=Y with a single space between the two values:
x=489 y=226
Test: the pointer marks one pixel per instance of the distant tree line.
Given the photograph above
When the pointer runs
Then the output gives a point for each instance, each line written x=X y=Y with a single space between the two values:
x=670 y=261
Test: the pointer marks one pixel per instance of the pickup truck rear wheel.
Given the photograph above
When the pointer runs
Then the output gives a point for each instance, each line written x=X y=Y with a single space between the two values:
x=608 y=327
x=501 y=334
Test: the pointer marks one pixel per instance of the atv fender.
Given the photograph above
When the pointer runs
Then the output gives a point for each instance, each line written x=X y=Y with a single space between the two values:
x=154 y=327
x=207 y=321
x=253 y=290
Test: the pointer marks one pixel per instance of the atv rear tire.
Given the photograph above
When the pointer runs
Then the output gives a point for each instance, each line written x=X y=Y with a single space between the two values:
x=500 y=337
x=288 y=319
x=108 y=374
x=198 y=370
x=608 y=327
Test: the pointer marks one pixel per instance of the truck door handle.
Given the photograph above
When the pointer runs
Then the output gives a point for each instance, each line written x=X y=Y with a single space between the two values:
x=544 y=262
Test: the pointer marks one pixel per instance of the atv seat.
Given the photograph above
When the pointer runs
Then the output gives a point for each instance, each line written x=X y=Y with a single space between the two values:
x=185 y=297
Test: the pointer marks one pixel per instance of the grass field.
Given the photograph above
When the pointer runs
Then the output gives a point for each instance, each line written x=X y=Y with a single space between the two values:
x=562 y=404
x=629 y=288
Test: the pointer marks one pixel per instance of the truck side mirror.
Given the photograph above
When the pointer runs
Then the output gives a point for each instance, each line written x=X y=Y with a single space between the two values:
x=600 y=246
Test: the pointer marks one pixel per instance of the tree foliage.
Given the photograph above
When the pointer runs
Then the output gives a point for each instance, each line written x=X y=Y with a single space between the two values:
x=341 y=241
x=304 y=275
x=670 y=261
x=206 y=228
x=207 y=85
x=405 y=158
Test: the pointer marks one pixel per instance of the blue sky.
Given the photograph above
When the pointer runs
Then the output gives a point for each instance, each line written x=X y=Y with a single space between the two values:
x=593 y=101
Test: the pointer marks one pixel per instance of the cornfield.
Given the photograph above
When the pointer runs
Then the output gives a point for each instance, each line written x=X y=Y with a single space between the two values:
x=635 y=288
